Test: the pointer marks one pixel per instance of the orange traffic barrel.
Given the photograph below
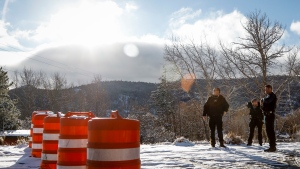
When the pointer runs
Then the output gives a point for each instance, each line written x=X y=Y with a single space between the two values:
x=32 y=119
x=113 y=143
x=37 y=135
x=31 y=128
x=30 y=137
x=72 y=141
x=50 y=141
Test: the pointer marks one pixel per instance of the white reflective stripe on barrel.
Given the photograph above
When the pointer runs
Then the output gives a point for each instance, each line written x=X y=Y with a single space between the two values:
x=38 y=130
x=113 y=154
x=31 y=125
x=72 y=143
x=47 y=136
x=49 y=157
x=70 y=167
x=36 y=146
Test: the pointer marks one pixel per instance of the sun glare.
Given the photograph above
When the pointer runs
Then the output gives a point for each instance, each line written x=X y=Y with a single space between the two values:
x=89 y=24
x=131 y=50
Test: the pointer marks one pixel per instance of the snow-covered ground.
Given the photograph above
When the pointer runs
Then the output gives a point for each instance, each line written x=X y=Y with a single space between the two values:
x=184 y=155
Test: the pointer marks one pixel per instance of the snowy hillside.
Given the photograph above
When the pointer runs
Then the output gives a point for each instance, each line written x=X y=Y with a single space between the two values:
x=168 y=155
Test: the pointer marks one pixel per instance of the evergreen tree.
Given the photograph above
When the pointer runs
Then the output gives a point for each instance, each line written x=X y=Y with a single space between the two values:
x=9 y=114
x=164 y=104
x=162 y=99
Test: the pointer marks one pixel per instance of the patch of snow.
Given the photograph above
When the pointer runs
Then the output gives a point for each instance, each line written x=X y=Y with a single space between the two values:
x=78 y=117
x=165 y=143
x=23 y=145
x=182 y=142
x=17 y=157
x=15 y=133
x=284 y=136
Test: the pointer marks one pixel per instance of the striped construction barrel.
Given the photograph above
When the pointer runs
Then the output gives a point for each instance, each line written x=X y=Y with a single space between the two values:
x=31 y=128
x=72 y=144
x=113 y=143
x=32 y=119
x=37 y=135
x=50 y=141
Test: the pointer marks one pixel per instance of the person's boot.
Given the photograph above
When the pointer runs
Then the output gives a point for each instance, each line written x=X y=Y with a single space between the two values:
x=222 y=144
x=260 y=142
x=212 y=143
x=249 y=144
x=271 y=149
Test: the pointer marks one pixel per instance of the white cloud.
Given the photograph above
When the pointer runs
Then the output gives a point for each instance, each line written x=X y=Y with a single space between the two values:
x=11 y=58
x=286 y=35
x=7 y=39
x=148 y=38
x=131 y=7
x=22 y=34
x=218 y=26
x=180 y=17
x=11 y=52
x=88 y=23
x=295 y=27
x=3 y=31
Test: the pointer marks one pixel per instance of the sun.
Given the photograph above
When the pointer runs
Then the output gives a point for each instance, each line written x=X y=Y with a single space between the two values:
x=90 y=23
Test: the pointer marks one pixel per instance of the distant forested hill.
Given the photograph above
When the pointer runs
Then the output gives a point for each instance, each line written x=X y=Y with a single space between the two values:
x=124 y=96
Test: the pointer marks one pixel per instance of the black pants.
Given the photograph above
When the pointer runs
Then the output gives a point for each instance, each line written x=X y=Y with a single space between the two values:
x=270 y=120
x=213 y=122
x=252 y=125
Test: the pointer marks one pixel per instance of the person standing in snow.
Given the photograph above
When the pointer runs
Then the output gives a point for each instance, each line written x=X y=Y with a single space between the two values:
x=215 y=107
x=268 y=105
x=256 y=119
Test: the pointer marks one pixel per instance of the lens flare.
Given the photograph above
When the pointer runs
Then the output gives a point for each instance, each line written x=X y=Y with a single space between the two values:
x=187 y=82
x=131 y=50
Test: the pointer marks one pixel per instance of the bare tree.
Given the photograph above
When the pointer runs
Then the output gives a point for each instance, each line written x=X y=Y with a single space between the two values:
x=254 y=59
x=293 y=63
x=56 y=87
x=193 y=59
x=31 y=78
x=16 y=79
x=29 y=82
x=198 y=61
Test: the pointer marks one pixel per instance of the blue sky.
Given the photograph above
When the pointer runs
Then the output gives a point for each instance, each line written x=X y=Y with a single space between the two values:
x=38 y=29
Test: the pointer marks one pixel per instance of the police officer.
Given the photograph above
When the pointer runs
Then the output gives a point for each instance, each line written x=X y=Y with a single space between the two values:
x=256 y=120
x=268 y=105
x=215 y=107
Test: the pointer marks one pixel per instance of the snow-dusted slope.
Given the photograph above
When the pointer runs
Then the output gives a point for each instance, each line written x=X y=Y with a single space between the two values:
x=168 y=155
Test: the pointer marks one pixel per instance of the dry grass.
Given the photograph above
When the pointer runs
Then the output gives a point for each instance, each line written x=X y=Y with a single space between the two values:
x=297 y=137
x=1 y=140
x=22 y=141
x=232 y=138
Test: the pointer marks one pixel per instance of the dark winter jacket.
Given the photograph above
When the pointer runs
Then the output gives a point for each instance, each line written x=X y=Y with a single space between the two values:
x=269 y=103
x=215 y=106
x=255 y=112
